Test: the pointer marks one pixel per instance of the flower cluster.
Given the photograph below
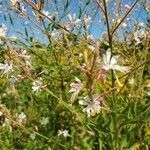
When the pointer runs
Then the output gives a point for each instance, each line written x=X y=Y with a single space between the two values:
x=94 y=105
x=75 y=88
x=64 y=133
x=6 y=67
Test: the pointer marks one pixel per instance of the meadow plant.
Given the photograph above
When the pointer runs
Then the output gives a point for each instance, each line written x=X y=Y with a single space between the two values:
x=64 y=88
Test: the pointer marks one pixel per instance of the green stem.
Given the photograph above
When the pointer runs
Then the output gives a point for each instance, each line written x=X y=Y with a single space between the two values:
x=110 y=39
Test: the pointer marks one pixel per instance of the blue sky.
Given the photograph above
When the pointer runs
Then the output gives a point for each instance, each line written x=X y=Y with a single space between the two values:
x=96 y=29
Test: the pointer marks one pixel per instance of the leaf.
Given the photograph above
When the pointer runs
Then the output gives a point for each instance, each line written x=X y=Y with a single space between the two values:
x=11 y=20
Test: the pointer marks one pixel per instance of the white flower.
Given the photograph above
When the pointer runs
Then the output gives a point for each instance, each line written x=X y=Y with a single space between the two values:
x=75 y=88
x=32 y=136
x=73 y=20
x=131 y=81
x=46 y=13
x=45 y=120
x=24 y=54
x=37 y=85
x=110 y=62
x=87 y=20
x=90 y=37
x=21 y=117
x=124 y=24
x=64 y=133
x=126 y=6
x=3 y=31
x=91 y=47
x=14 y=79
x=6 y=68
x=23 y=10
x=93 y=107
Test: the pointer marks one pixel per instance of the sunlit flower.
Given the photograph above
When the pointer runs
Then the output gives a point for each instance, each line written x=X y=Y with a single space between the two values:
x=13 y=79
x=64 y=133
x=6 y=68
x=94 y=106
x=127 y=7
x=3 y=30
x=73 y=20
x=37 y=85
x=92 y=48
x=46 y=13
x=44 y=121
x=23 y=10
x=32 y=136
x=110 y=62
x=90 y=37
x=75 y=88
x=87 y=20
x=138 y=35
x=131 y=81
x=21 y=117
x=124 y=24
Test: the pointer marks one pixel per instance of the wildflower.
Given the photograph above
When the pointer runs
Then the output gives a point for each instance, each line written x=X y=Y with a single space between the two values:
x=92 y=48
x=72 y=20
x=127 y=7
x=46 y=13
x=93 y=107
x=110 y=62
x=21 y=117
x=131 y=81
x=45 y=120
x=14 y=79
x=3 y=31
x=75 y=88
x=64 y=133
x=23 y=10
x=124 y=24
x=32 y=136
x=37 y=85
x=87 y=20
x=6 y=68
x=24 y=54
x=90 y=37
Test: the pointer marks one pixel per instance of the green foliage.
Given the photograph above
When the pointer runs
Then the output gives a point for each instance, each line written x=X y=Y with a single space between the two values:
x=36 y=105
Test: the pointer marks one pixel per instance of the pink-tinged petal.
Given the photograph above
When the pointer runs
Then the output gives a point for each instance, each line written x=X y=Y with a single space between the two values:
x=101 y=74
